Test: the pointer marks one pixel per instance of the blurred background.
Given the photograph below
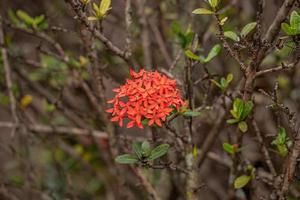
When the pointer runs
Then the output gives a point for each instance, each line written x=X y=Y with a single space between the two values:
x=62 y=77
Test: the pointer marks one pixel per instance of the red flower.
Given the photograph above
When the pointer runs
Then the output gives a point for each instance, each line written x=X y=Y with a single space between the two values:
x=148 y=96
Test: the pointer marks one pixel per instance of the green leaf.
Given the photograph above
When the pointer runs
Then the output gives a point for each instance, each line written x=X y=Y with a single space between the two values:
x=213 y=53
x=146 y=148
x=145 y=122
x=39 y=19
x=295 y=21
x=175 y=26
x=191 y=55
x=248 y=28
x=281 y=135
x=216 y=83
x=228 y=148
x=92 y=18
x=13 y=18
x=190 y=113
x=282 y=150
x=213 y=3
x=232 y=35
x=25 y=17
x=126 y=159
x=229 y=78
x=223 y=83
x=195 y=152
x=136 y=146
x=223 y=20
x=202 y=11
x=286 y=28
x=104 y=7
x=159 y=151
x=238 y=108
x=241 y=181
x=248 y=106
x=95 y=7
x=232 y=121
x=243 y=126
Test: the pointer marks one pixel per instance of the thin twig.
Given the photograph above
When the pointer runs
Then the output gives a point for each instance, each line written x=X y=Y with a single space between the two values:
x=264 y=148
x=38 y=128
x=112 y=47
x=146 y=42
x=274 y=28
x=145 y=182
x=283 y=67
x=8 y=79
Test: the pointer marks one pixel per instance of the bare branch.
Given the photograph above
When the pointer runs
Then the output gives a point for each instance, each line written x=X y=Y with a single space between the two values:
x=59 y=129
x=8 y=78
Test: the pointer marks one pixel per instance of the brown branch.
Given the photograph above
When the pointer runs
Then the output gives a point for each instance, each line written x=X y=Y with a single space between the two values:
x=97 y=34
x=63 y=130
x=275 y=28
x=8 y=78
x=146 y=42
x=231 y=52
x=211 y=137
x=161 y=43
x=176 y=59
x=128 y=22
x=264 y=148
x=283 y=67
x=145 y=182
x=291 y=167
x=42 y=36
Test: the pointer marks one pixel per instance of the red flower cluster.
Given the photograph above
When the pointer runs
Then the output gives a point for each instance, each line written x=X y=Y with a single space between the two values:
x=147 y=95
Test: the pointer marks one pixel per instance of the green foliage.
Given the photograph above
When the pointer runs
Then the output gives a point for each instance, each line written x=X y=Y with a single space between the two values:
x=190 y=113
x=240 y=112
x=191 y=55
x=241 y=181
x=232 y=35
x=213 y=3
x=248 y=28
x=215 y=50
x=243 y=126
x=202 y=11
x=282 y=142
x=230 y=148
x=24 y=20
x=213 y=53
x=293 y=28
x=159 y=151
x=126 y=159
x=16 y=180
x=143 y=153
x=184 y=37
x=53 y=70
x=224 y=82
x=100 y=10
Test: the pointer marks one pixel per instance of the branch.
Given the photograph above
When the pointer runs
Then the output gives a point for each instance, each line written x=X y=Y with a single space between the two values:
x=97 y=34
x=264 y=148
x=211 y=137
x=292 y=162
x=283 y=67
x=128 y=22
x=40 y=35
x=145 y=182
x=231 y=52
x=63 y=130
x=275 y=27
x=146 y=42
x=8 y=78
